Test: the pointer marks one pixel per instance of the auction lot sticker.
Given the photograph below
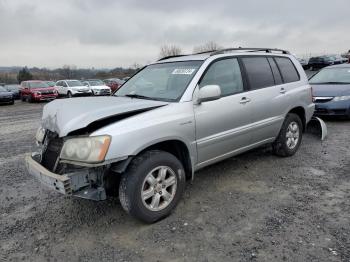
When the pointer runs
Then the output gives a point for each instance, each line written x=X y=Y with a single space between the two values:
x=183 y=71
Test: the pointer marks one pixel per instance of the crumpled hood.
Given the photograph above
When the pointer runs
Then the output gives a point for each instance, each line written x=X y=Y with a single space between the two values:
x=331 y=90
x=66 y=115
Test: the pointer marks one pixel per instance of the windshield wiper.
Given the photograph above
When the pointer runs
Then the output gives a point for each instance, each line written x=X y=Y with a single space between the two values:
x=331 y=83
x=139 y=96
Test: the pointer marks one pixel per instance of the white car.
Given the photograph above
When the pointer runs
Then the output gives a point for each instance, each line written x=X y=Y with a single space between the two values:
x=72 y=88
x=98 y=87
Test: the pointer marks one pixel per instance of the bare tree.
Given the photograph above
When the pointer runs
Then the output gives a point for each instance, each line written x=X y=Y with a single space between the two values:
x=169 y=50
x=209 y=46
x=68 y=71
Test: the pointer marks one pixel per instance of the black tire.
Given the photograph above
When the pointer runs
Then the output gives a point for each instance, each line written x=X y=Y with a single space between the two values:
x=30 y=99
x=12 y=102
x=69 y=94
x=23 y=98
x=280 y=146
x=131 y=184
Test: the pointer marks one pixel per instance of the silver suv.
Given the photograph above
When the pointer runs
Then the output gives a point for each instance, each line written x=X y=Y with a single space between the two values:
x=170 y=119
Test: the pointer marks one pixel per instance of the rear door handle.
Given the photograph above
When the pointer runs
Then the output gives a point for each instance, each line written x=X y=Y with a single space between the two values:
x=244 y=100
x=283 y=91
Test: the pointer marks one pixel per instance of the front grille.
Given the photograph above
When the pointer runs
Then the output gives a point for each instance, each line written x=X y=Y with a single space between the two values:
x=52 y=149
x=47 y=92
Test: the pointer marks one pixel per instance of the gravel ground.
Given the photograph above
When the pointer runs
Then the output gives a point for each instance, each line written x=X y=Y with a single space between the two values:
x=254 y=207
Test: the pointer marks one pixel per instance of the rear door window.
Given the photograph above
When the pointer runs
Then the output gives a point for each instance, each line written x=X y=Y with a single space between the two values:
x=258 y=72
x=275 y=71
x=287 y=68
x=226 y=74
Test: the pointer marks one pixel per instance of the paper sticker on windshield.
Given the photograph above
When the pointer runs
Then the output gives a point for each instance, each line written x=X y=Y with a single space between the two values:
x=183 y=71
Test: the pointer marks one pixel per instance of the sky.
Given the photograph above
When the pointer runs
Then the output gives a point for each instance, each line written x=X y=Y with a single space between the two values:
x=112 y=33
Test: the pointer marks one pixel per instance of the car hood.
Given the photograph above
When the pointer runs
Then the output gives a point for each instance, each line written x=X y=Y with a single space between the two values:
x=80 y=87
x=330 y=90
x=6 y=94
x=42 y=89
x=66 y=115
x=100 y=87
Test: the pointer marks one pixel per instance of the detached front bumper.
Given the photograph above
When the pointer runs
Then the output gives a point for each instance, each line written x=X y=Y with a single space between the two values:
x=60 y=183
x=74 y=183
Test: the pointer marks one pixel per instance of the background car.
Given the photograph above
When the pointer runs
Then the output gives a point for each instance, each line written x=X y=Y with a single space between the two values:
x=72 y=88
x=97 y=87
x=338 y=59
x=114 y=83
x=319 y=62
x=6 y=96
x=51 y=83
x=304 y=62
x=15 y=89
x=331 y=91
x=37 y=90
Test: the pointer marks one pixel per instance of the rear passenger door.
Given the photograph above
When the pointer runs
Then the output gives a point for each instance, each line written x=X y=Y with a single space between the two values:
x=269 y=96
x=221 y=125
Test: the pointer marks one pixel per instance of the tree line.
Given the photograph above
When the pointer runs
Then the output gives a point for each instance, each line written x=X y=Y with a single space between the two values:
x=72 y=72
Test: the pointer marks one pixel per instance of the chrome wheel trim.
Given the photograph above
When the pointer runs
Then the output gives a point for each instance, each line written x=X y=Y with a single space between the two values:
x=292 y=135
x=159 y=188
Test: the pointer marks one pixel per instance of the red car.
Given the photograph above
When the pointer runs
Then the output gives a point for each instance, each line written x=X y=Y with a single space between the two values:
x=114 y=83
x=36 y=90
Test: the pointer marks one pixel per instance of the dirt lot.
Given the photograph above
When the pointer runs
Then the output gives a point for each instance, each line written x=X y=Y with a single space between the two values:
x=255 y=207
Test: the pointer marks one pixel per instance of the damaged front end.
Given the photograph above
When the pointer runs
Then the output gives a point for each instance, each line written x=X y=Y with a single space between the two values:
x=70 y=177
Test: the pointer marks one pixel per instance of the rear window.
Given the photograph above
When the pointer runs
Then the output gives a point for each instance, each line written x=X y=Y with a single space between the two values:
x=287 y=68
x=258 y=72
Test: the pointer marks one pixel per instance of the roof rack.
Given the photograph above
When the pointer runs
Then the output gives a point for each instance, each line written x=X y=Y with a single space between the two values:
x=170 y=56
x=247 y=49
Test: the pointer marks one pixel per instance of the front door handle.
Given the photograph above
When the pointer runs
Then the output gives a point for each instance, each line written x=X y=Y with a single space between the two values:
x=283 y=91
x=244 y=100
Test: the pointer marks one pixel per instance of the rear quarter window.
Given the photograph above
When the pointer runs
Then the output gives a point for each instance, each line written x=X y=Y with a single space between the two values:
x=287 y=69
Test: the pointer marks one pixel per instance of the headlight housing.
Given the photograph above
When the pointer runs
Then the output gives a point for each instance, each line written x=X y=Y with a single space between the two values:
x=86 y=149
x=40 y=135
x=341 y=98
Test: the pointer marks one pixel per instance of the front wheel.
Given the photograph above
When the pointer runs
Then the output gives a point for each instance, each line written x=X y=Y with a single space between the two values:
x=69 y=94
x=289 y=138
x=152 y=185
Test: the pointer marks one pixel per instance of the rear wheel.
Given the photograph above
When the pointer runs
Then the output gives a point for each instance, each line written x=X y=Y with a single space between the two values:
x=289 y=138
x=152 y=185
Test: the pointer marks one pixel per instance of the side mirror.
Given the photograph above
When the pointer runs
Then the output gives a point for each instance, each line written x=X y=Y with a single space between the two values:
x=209 y=93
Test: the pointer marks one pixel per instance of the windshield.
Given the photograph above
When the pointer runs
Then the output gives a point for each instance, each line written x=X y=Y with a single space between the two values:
x=96 y=83
x=38 y=85
x=51 y=83
x=165 y=82
x=2 y=89
x=332 y=76
x=73 y=83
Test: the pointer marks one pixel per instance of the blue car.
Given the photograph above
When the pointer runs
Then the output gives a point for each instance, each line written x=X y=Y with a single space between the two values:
x=331 y=91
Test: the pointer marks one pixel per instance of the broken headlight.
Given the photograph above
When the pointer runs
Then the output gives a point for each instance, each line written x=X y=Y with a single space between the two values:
x=86 y=149
x=40 y=135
